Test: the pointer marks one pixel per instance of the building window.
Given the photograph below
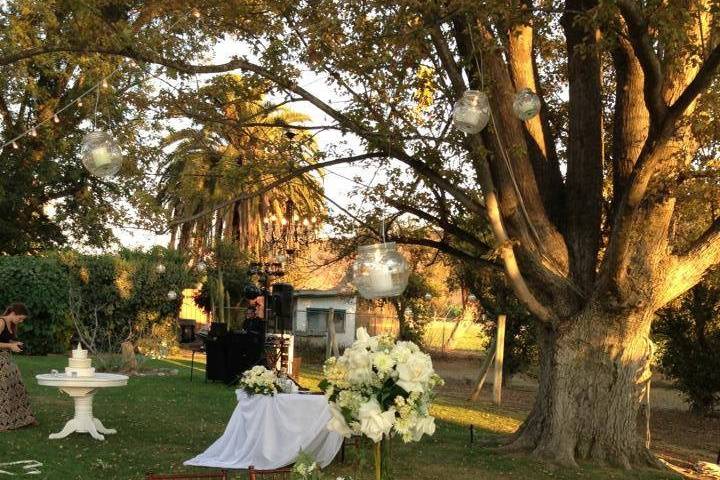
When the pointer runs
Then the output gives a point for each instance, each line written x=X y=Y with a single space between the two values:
x=317 y=320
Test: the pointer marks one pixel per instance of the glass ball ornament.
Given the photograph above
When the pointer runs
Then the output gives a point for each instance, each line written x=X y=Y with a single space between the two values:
x=160 y=268
x=472 y=112
x=526 y=104
x=100 y=154
x=172 y=295
x=380 y=271
x=201 y=267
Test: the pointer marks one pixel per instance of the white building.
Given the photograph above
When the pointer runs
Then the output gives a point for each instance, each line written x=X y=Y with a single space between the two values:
x=312 y=308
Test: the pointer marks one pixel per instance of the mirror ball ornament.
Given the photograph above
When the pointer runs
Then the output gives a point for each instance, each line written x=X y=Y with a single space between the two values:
x=380 y=271
x=172 y=295
x=100 y=154
x=201 y=267
x=472 y=112
x=160 y=268
x=526 y=104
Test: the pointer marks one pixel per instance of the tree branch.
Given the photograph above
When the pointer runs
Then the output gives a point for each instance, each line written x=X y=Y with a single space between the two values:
x=447 y=248
x=584 y=178
x=689 y=268
x=446 y=225
x=639 y=34
x=698 y=85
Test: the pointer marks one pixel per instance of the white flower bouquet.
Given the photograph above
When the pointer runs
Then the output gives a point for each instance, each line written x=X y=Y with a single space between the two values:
x=259 y=380
x=380 y=388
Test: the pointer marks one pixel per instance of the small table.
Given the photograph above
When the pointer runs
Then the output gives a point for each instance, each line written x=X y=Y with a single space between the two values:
x=82 y=390
x=269 y=432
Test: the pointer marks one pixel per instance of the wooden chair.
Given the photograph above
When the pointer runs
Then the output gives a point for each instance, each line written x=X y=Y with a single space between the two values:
x=221 y=475
x=276 y=474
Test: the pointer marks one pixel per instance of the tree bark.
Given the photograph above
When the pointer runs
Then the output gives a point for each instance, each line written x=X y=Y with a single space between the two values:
x=592 y=378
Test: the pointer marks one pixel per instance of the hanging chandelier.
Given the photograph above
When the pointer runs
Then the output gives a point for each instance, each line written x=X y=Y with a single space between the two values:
x=284 y=235
x=380 y=271
x=100 y=154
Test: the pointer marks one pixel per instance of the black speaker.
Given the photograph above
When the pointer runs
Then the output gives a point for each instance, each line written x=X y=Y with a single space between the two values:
x=282 y=304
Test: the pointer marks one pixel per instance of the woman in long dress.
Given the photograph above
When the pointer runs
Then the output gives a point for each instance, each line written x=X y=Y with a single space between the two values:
x=15 y=409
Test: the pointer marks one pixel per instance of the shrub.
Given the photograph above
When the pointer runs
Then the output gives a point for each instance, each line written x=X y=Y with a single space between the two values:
x=124 y=297
x=688 y=331
x=111 y=298
x=42 y=283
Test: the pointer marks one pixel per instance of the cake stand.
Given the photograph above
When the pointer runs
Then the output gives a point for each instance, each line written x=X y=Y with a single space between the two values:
x=82 y=390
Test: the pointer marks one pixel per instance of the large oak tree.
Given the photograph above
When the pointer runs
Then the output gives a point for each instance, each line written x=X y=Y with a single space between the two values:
x=580 y=200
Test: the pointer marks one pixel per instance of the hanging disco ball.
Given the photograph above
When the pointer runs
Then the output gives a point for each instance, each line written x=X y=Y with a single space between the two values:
x=380 y=271
x=526 y=104
x=472 y=112
x=172 y=295
x=100 y=154
x=160 y=268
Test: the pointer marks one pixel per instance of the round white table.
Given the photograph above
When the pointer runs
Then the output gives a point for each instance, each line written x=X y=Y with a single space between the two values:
x=82 y=390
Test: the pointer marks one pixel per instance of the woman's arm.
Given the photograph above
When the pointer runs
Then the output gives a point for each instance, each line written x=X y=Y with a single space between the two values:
x=13 y=347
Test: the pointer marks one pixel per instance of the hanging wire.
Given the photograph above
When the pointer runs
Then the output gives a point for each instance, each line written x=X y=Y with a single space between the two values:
x=97 y=100
x=479 y=66
x=55 y=117
x=59 y=111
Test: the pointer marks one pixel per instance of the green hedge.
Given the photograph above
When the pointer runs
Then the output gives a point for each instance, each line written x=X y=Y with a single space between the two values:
x=42 y=283
x=125 y=290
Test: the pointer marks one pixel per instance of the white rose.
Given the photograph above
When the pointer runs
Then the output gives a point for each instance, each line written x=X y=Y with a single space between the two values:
x=337 y=423
x=374 y=423
x=364 y=340
x=423 y=426
x=415 y=373
x=359 y=366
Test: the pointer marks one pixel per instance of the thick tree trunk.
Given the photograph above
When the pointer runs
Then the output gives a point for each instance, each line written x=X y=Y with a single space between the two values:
x=591 y=382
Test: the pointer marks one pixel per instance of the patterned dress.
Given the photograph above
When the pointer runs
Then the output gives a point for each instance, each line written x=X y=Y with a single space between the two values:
x=14 y=404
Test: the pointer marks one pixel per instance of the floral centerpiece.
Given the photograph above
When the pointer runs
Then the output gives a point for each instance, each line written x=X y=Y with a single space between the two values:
x=381 y=388
x=259 y=380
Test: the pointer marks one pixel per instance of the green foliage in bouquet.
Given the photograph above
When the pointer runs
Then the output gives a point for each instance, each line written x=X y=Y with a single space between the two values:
x=306 y=468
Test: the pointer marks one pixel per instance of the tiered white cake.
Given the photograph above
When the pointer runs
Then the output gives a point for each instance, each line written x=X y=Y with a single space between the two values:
x=79 y=365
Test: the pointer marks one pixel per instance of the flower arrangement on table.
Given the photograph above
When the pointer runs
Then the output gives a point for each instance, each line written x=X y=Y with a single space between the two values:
x=381 y=388
x=259 y=381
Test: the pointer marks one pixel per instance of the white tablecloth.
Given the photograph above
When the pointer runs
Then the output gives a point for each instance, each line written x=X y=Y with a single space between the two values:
x=268 y=432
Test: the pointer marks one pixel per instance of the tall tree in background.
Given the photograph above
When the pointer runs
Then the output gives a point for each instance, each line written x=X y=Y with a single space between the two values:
x=234 y=143
x=629 y=98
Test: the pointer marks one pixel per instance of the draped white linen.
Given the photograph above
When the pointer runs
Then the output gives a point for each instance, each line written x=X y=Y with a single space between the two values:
x=269 y=432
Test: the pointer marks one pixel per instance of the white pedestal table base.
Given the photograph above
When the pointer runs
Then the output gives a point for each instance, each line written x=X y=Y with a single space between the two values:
x=83 y=422
x=82 y=390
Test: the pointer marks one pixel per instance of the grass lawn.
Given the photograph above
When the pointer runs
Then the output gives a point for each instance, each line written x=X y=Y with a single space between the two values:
x=163 y=421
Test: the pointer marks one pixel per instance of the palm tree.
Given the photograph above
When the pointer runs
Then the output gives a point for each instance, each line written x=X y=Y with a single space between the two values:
x=237 y=144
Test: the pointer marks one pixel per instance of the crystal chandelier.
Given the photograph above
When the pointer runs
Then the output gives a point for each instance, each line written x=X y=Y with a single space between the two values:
x=284 y=235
